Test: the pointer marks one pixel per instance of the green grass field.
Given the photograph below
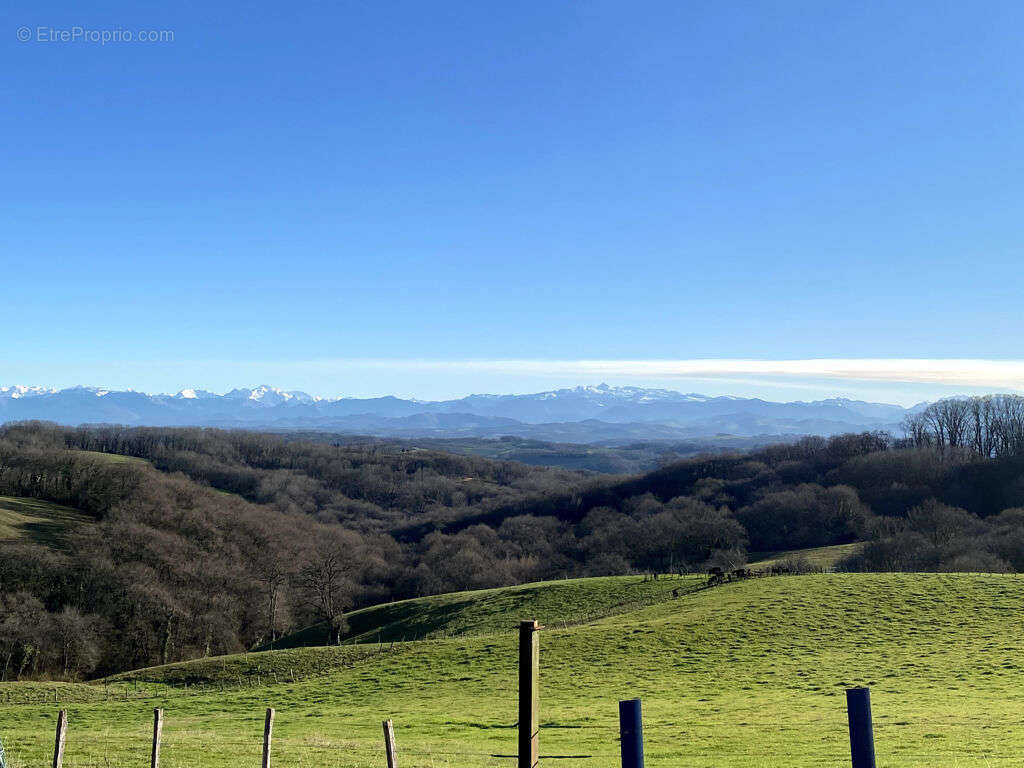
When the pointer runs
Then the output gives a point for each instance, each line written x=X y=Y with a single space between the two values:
x=825 y=558
x=745 y=675
x=36 y=520
x=486 y=611
x=113 y=458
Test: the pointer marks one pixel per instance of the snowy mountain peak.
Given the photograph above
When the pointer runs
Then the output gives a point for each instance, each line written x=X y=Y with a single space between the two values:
x=631 y=394
x=267 y=395
x=83 y=390
x=18 y=391
x=194 y=394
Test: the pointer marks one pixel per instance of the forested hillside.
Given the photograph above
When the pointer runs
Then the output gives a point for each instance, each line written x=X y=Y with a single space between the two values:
x=210 y=542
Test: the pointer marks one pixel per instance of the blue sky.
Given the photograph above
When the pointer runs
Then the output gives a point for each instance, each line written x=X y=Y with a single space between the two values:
x=284 y=193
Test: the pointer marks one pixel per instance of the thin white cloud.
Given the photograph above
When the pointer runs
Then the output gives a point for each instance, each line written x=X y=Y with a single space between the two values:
x=1000 y=374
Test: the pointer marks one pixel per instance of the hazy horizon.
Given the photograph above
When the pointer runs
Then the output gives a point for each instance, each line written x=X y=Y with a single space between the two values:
x=900 y=382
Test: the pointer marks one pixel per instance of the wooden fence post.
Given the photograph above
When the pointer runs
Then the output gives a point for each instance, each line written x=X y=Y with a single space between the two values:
x=158 y=726
x=862 y=740
x=268 y=728
x=62 y=734
x=529 y=697
x=631 y=734
x=389 y=743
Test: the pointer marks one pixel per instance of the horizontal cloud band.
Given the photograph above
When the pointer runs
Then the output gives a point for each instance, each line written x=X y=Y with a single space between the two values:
x=963 y=372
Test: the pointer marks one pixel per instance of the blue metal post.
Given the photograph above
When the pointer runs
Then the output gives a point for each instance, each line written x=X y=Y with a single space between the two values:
x=862 y=739
x=631 y=734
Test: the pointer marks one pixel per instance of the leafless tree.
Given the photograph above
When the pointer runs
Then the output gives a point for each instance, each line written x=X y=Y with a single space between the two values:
x=328 y=581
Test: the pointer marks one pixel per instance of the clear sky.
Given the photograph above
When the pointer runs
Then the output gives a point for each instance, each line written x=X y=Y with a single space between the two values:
x=286 y=188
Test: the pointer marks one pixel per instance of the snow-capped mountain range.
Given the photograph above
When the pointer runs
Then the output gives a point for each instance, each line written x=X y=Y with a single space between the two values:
x=582 y=414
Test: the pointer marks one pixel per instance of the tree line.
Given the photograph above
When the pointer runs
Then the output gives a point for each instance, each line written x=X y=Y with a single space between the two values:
x=988 y=426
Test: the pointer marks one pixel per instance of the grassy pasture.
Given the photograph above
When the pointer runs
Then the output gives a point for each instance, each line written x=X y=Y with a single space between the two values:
x=113 y=458
x=486 y=611
x=36 y=520
x=745 y=675
x=825 y=558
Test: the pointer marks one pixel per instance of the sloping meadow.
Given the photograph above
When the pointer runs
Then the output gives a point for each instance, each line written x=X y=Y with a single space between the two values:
x=745 y=674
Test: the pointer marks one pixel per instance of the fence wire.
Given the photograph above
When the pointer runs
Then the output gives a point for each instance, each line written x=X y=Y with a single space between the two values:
x=85 y=750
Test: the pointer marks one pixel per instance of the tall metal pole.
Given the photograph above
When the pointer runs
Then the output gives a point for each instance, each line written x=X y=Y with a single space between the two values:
x=862 y=739
x=631 y=734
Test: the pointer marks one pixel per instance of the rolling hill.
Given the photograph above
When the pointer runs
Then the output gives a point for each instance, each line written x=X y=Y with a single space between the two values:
x=746 y=674
x=485 y=611
x=570 y=601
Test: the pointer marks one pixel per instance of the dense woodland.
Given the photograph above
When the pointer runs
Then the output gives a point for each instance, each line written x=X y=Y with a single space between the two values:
x=628 y=458
x=221 y=541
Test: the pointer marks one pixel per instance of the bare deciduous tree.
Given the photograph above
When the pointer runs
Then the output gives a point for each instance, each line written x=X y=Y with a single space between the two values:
x=328 y=581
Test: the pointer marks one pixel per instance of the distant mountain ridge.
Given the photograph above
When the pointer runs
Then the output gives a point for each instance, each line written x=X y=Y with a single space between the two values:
x=581 y=414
